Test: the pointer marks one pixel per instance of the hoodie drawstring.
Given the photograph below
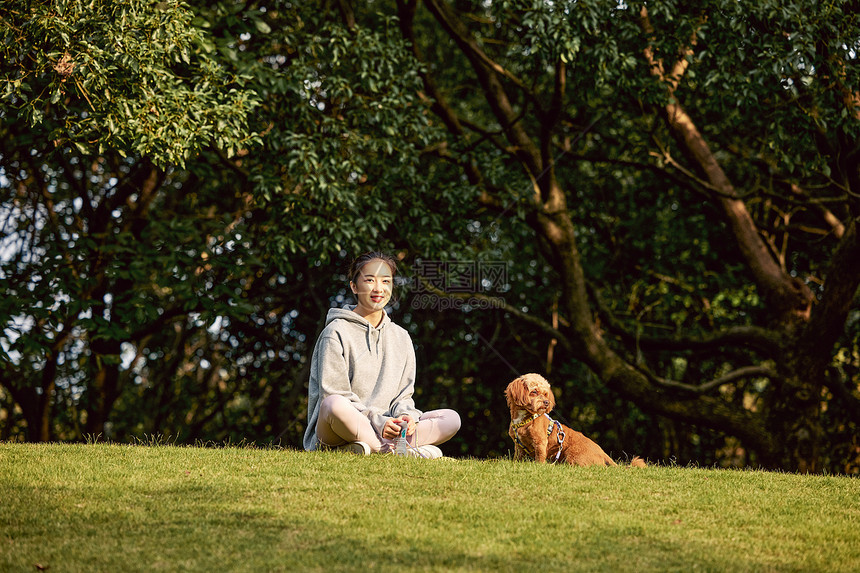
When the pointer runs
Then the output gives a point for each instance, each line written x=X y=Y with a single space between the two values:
x=373 y=333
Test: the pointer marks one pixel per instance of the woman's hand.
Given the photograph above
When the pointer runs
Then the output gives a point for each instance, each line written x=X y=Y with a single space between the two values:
x=411 y=428
x=392 y=427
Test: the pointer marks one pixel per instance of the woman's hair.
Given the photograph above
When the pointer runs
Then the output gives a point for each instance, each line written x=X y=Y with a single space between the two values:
x=361 y=260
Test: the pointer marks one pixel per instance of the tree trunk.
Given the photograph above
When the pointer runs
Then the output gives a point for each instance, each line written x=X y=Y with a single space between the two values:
x=786 y=433
x=796 y=409
x=106 y=351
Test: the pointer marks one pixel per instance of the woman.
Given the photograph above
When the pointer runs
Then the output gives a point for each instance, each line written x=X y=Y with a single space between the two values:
x=363 y=375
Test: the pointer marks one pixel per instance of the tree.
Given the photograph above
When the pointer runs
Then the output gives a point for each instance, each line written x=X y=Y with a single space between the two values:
x=671 y=192
x=746 y=110
x=155 y=253
x=100 y=102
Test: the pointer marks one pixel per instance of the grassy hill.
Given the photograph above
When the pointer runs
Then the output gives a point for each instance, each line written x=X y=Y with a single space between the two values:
x=102 y=507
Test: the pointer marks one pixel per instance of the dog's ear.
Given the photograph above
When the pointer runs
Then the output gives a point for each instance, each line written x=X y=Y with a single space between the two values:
x=551 y=399
x=509 y=394
x=515 y=393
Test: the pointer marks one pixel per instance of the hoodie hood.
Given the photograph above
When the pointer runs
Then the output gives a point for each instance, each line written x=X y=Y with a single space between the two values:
x=372 y=334
x=348 y=313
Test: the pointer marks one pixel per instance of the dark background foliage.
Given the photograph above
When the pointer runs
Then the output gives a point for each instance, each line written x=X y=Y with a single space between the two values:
x=184 y=184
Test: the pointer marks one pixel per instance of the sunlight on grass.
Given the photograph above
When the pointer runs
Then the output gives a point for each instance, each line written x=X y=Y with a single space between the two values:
x=105 y=507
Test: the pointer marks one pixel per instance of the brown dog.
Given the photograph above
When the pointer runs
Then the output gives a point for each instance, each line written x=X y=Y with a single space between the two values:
x=538 y=436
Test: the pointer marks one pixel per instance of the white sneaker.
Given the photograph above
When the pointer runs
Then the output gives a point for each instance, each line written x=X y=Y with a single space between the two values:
x=428 y=452
x=358 y=448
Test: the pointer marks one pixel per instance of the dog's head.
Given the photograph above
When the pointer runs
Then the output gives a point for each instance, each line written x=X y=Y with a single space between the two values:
x=530 y=392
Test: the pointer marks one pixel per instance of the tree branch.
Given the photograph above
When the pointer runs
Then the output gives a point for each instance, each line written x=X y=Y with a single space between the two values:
x=791 y=298
x=733 y=376
x=489 y=74
x=754 y=337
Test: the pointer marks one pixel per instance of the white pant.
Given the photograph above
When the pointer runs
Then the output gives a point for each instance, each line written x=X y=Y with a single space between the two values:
x=339 y=422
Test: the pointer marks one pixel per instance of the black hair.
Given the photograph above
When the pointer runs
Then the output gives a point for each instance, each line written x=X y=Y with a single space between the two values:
x=361 y=260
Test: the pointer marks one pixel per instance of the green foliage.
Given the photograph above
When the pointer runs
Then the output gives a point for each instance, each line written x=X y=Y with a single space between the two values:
x=184 y=184
x=779 y=71
x=346 y=162
x=130 y=75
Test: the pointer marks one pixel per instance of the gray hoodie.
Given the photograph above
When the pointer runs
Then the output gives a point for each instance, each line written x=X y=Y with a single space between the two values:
x=374 y=367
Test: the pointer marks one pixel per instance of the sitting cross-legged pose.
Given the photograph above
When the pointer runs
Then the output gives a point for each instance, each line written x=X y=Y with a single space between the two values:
x=363 y=375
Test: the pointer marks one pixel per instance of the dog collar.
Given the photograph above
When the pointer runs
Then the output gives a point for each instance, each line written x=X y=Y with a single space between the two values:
x=525 y=422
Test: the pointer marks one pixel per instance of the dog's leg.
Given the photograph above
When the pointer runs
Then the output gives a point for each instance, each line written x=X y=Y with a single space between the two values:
x=519 y=453
x=540 y=451
x=540 y=438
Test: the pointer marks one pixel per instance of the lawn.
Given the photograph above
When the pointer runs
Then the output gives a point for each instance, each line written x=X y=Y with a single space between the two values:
x=107 y=507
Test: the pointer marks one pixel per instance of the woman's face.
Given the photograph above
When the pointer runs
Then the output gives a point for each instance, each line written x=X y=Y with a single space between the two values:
x=373 y=287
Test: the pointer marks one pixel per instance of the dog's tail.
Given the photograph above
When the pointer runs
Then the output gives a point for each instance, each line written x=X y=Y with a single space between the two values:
x=637 y=462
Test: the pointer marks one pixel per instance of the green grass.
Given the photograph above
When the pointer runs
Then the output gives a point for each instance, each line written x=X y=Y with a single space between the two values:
x=102 y=507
